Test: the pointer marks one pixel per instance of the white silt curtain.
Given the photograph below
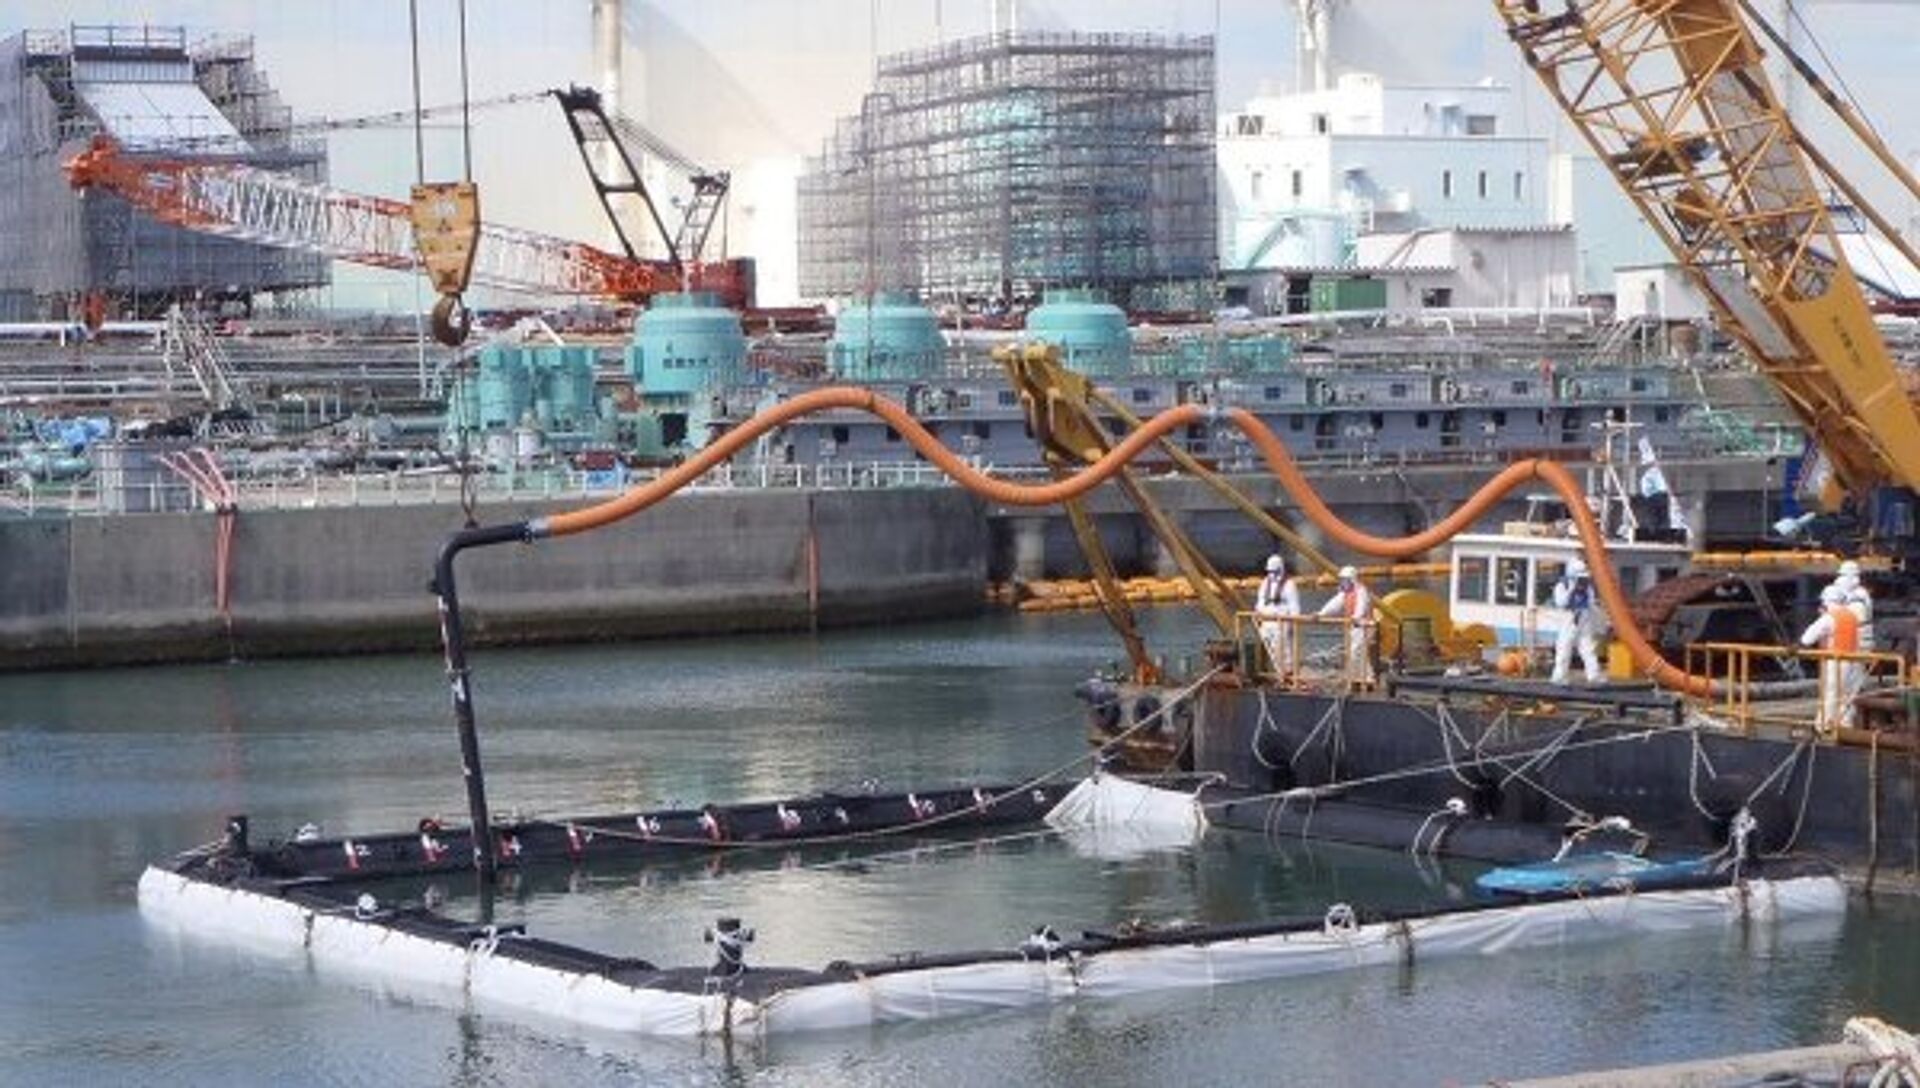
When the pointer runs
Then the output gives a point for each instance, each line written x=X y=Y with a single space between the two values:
x=1115 y=818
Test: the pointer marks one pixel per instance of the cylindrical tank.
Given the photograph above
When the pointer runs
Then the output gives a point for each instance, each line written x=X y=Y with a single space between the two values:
x=1090 y=332
x=890 y=339
x=562 y=386
x=506 y=386
x=687 y=343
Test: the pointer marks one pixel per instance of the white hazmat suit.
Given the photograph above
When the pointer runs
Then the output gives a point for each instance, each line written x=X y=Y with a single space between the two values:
x=1353 y=602
x=1278 y=598
x=1586 y=622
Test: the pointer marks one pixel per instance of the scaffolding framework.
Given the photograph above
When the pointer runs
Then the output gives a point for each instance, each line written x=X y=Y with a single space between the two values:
x=992 y=168
x=154 y=92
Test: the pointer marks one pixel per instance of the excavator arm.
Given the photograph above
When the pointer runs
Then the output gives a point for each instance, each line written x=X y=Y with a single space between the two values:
x=1673 y=98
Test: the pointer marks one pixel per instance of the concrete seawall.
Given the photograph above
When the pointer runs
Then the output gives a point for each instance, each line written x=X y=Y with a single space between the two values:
x=140 y=588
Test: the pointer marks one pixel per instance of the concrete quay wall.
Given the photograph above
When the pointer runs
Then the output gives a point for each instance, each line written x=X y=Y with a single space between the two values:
x=141 y=588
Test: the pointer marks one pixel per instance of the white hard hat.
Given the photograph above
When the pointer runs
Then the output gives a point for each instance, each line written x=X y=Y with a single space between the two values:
x=1348 y=574
x=1275 y=564
x=1576 y=568
x=1833 y=595
x=1850 y=569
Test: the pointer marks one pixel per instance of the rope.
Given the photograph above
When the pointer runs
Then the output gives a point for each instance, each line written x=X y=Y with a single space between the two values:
x=1420 y=770
x=935 y=820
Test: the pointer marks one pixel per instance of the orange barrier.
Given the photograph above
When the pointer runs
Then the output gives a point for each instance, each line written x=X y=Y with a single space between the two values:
x=1279 y=462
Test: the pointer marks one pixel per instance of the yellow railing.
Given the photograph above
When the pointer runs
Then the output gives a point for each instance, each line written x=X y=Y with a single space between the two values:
x=1840 y=677
x=1356 y=668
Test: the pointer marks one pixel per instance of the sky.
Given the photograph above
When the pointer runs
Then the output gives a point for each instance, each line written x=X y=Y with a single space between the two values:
x=734 y=81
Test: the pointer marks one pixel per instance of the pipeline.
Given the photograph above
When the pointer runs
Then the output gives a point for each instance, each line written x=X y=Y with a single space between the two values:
x=1279 y=462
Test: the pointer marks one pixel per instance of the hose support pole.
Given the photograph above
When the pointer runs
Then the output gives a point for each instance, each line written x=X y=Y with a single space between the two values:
x=453 y=640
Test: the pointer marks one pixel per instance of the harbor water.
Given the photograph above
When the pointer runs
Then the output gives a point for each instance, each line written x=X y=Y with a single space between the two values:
x=102 y=771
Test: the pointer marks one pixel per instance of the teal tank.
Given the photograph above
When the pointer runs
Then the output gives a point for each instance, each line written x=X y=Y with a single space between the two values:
x=891 y=339
x=506 y=386
x=687 y=344
x=1090 y=332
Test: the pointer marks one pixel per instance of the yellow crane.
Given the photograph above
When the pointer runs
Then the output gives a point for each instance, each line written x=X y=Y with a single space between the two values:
x=1673 y=97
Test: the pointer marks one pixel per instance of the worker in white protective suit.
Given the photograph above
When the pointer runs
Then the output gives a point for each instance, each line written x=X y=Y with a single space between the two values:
x=1837 y=630
x=1859 y=599
x=1586 y=622
x=1278 y=599
x=1354 y=603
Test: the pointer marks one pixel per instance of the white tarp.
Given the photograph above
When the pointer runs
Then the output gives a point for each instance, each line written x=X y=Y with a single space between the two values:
x=1106 y=800
x=416 y=967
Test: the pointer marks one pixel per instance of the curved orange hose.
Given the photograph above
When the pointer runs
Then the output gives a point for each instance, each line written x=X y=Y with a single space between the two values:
x=1279 y=462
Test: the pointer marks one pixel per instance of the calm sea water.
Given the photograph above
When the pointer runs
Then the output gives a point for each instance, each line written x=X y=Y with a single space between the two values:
x=102 y=771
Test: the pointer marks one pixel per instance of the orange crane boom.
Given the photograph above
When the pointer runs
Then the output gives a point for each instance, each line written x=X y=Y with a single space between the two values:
x=1673 y=97
x=220 y=196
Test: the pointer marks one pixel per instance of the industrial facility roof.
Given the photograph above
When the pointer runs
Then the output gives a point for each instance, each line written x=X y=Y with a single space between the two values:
x=149 y=115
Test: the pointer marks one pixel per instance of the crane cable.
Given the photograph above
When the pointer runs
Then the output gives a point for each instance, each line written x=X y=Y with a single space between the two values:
x=1279 y=462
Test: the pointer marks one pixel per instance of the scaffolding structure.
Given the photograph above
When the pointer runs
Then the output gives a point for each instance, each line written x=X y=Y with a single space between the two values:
x=989 y=169
x=152 y=92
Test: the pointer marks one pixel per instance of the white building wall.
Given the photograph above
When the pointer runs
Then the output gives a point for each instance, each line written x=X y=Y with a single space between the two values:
x=1300 y=176
x=1613 y=234
x=1660 y=292
x=762 y=222
x=1528 y=269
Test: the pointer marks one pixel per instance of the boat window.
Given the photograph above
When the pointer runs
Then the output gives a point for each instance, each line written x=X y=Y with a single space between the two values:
x=1545 y=573
x=842 y=435
x=893 y=435
x=1142 y=396
x=1471 y=578
x=1008 y=398
x=1273 y=392
x=1510 y=580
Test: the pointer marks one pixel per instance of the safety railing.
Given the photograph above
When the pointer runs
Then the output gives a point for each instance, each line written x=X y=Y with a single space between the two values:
x=1309 y=652
x=408 y=488
x=1748 y=697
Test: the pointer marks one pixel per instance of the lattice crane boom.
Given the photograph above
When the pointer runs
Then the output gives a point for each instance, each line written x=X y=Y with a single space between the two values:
x=223 y=197
x=1673 y=97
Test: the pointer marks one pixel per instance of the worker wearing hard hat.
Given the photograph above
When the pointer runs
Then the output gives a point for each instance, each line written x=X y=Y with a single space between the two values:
x=1353 y=603
x=1837 y=630
x=1586 y=621
x=1278 y=599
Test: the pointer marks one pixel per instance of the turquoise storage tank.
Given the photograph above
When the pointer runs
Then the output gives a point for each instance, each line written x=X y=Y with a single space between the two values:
x=893 y=339
x=565 y=383
x=687 y=343
x=1090 y=332
x=463 y=404
x=506 y=386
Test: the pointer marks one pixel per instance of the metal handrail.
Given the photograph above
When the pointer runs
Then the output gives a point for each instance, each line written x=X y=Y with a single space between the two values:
x=1734 y=697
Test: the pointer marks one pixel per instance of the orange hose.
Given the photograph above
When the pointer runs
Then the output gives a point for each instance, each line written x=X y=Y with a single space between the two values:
x=1279 y=462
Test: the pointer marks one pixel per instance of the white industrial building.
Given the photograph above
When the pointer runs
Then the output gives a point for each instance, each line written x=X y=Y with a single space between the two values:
x=1526 y=268
x=1304 y=176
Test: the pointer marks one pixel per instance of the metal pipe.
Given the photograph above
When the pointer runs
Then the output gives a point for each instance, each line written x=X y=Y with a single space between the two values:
x=453 y=640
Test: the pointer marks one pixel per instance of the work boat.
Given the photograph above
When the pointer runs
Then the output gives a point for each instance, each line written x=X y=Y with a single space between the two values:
x=1448 y=729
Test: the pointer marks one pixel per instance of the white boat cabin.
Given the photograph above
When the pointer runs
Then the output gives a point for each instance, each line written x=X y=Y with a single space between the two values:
x=1505 y=580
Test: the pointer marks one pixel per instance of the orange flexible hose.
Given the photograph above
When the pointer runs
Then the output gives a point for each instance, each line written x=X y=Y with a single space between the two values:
x=1279 y=462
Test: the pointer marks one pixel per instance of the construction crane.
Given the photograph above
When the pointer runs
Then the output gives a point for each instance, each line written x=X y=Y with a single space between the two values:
x=605 y=141
x=219 y=196
x=1674 y=99
x=602 y=139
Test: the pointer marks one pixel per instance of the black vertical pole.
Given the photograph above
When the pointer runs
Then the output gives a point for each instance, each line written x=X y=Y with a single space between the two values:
x=453 y=640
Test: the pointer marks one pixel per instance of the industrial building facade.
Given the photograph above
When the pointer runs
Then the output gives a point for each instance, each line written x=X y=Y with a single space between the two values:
x=148 y=90
x=990 y=169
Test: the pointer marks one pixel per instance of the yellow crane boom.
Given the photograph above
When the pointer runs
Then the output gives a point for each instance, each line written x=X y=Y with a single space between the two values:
x=1672 y=96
